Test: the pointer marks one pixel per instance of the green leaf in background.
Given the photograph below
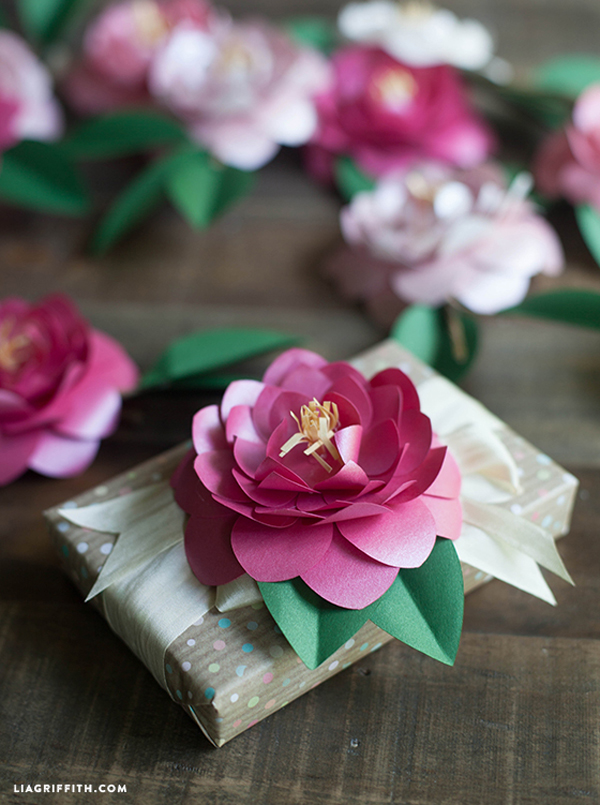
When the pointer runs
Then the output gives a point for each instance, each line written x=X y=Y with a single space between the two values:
x=424 y=606
x=201 y=188
x=315 y=32
x=350 y=179
x=122 y=133
x=444 y=338
x=568 y=305
x=314 y=627
x=588 y=221
x=138 y=199
x=38 y=176
x=568 y=75
x=44 y=20
x=210 y=350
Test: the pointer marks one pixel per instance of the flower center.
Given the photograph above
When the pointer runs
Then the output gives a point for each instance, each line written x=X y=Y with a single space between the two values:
x=394 y=89
x=149 y=22
x=15 y=348
x=316 y=426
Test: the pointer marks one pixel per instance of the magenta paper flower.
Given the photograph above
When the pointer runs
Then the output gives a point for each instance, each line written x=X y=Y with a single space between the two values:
x=243 y=89
x=386 y=114
x=318 y=473
x=60 y=384
x=568 y=162
x=433 y=233
x=28 y=108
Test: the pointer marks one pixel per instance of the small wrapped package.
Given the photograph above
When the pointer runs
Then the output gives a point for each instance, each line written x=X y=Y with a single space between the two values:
x=223 y=654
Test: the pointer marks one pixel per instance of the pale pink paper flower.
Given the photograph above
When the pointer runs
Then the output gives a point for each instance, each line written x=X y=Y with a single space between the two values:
x=386 y=115
x=568 y=162
x=28 y=108
x=318 y=473
x=244 y=89
x=60 y=384
x=433 y=234
x=118 y=48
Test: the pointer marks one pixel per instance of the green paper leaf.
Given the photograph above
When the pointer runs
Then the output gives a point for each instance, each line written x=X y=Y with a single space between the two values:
x=444 y=338
x=568 y=305
x=588 y=221
x=568 y=75
x=37 y=175
x=350 y=179
x=209 y=350
x=44 y=20
x=315 y=32
x=424 y=606
x=201 y=188
x=122 y=133
x=137 y=201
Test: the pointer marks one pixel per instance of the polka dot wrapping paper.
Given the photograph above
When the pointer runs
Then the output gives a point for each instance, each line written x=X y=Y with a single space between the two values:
x=229 y=670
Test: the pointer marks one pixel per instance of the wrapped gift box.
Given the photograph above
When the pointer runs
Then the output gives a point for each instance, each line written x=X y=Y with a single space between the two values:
x=229 y=670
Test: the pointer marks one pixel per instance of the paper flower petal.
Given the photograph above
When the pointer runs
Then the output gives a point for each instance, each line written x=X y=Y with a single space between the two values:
x=61 y=457
x=208 y=550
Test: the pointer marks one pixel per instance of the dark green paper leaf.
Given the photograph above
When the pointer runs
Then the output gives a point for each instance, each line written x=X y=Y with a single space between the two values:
x=210 y=350
x=38 y=176
x=44 y=20
x=568 y=75
x=315 y=32
x=588 y=221
x=444 y=338
x=121 y=134
x=569 y=305
x=350 y=179
x=424 y=606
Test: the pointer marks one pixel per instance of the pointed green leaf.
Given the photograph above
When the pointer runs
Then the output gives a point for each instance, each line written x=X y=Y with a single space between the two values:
x=568 y=75
x=424 y=606
x=588 y=221
x=569 y=305
x=350 y=179
x=417 y=329
x=44 y=20
x=209 y=350
x=122 y=133
x=37 y=175
x=314 y=628
x=315 y=32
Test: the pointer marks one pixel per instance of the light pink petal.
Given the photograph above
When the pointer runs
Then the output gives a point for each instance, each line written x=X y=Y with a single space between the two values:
x=267 y=554
x=290 y=360
x=395 y=377
x=347 y=577
x=109 y=361
x=491 y=293
x=208 y=549
x=249 y=455
x=91 y=410
x=240 y=423
x=356 y=511
x=448 y=481
x=307 y=381
x=380 y=448
x=61 y=457
x=350 y=477
x=348 y=441
x=237 y=143
x=15 y=452
x=447 y=515
x=240 y=392
x=207 y=431
x=586 y=113
x=215 y=471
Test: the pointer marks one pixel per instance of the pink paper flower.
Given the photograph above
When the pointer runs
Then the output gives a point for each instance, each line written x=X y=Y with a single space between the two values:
x=59 y=388
x=386 y=114
x=432 y=233
x=568 y=162
x=243 y=89
x=118 y=49
x=318 y=473
x=28 y=108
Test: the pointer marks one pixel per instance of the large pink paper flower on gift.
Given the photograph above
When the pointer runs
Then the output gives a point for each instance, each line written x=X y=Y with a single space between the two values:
x=318 y=473
x=60 y=384
x=386 y=114
x=568 y=162
x=28 y=108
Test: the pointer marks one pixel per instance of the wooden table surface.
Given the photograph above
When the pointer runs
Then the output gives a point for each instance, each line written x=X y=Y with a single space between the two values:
x=515 y=721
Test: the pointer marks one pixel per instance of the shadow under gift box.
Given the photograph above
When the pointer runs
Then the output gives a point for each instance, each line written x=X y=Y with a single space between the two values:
x=230 y=670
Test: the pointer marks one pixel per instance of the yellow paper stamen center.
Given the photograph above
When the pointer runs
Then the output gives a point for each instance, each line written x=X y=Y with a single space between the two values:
x=150 y=24
x=316 y=427
x=395 y=88
x=13 y=348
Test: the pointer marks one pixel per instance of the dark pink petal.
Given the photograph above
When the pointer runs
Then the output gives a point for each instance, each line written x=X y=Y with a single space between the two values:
x=208 y=433
x=269 y=514
x=208 y=550
x=289 y=361
x=356 y=393
x=448 y=480
x=15 y=452
x=341 y=369
x=190 y=493
x=261 y=412
x=267 y=554
x=273 y=498
x=422 y=479
x=240 y=392
x=61 y=457
x=350 y=477
x=91 y=410
x=307 y=381
x=348 y=441
x=312 y=502
x=240 y=423
x=294 y=464
x=274 y=521
x=347 y=577
x=387 y=403
x=249 y=455
x=403 y=537
x=245 y=508
x=415 y=432
x=447 y=515
x=215 y=471
x=276 y=481
x=394 y=377
x=355 y=511
x=380 y=448
x=283 y=406
x=348 y=413
x=13 y=404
